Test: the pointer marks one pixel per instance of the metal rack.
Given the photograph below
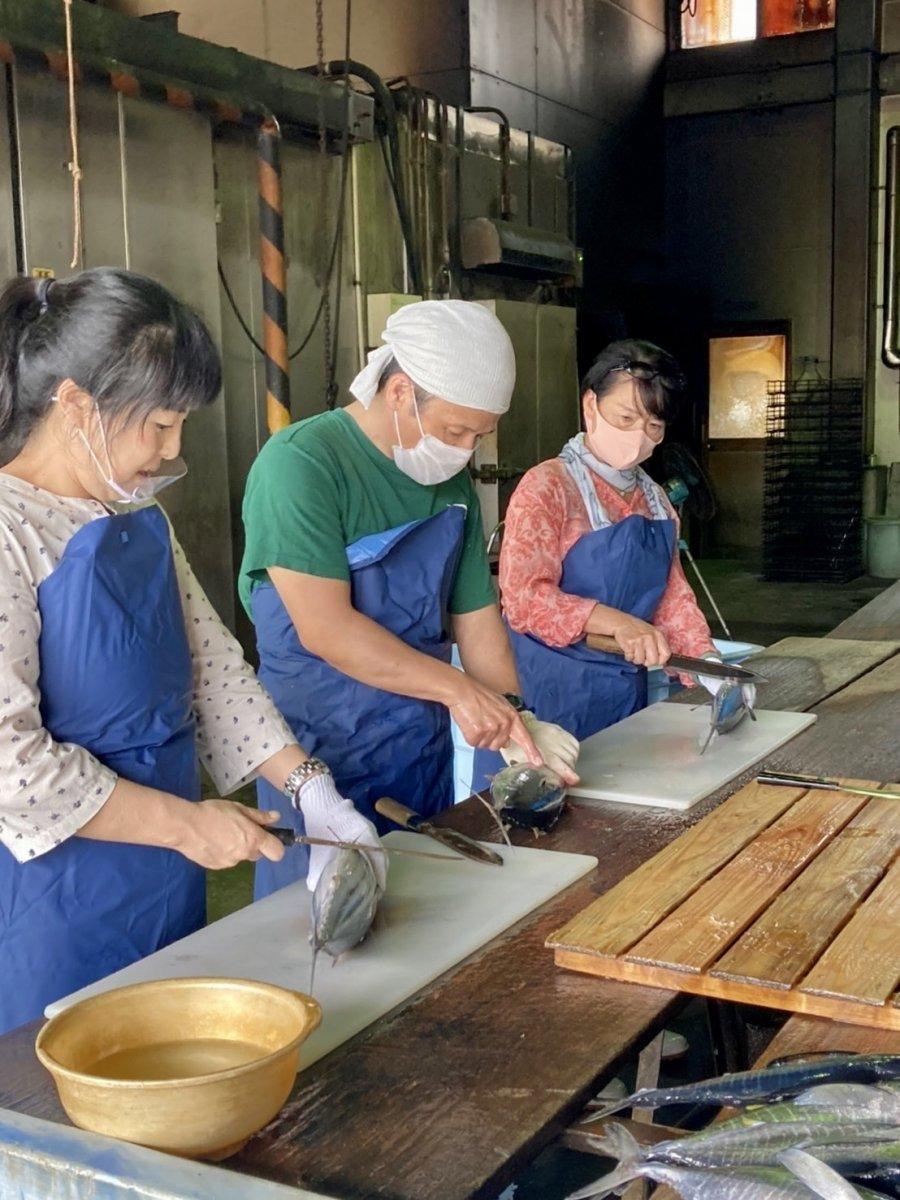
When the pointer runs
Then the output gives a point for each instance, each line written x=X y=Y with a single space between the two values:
x=812 y=503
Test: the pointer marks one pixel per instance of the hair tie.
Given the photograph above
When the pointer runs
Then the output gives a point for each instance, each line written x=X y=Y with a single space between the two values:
x=41 y=294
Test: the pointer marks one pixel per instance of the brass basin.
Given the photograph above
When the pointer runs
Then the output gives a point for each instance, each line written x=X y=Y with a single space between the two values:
x=190 y=1066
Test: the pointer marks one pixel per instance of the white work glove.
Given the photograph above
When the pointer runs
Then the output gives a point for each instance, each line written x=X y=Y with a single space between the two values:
x=326 y=814
x=557 y=748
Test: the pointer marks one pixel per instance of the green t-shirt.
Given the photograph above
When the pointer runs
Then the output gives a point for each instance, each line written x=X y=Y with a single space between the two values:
x=319 y=485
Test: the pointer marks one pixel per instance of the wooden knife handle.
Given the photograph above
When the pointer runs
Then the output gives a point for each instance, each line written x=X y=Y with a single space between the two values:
x=397 y=812
x=599 y=641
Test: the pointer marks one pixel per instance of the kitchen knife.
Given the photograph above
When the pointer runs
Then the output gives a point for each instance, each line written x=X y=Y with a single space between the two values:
x=681 y=662
x=409 y=819
x=823 y=785
x=288 y=837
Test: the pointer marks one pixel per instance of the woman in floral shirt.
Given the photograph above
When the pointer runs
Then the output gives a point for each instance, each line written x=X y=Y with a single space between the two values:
x=591 y=546
x=115 y=672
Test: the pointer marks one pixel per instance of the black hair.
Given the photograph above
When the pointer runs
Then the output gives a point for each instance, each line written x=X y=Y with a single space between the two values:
x=659 y=380
x=121 y=337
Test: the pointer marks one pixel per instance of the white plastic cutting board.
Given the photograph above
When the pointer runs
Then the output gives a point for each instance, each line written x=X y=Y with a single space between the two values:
x=431 y=917
x=653 y=757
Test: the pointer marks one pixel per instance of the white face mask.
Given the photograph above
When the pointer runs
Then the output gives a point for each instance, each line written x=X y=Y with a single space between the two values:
x=430 y=460
x=166 y=474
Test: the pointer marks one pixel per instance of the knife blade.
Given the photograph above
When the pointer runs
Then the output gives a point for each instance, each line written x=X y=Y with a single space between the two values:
x=682 y=662
x=817 y=784
x=289 y=837
x=409 y=819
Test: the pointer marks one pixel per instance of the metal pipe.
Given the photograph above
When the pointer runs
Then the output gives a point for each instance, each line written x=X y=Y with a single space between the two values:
x=357 y=264
x=274 y=277
x=385 y=102
x=890 y=352
x=445 y=198
x=141 y=59
x=506 y=212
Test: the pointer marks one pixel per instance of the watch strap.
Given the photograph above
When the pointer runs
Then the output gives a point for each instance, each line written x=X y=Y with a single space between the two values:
x=302 y=774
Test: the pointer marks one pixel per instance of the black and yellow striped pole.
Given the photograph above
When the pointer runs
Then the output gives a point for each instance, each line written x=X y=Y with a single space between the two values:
x=274 y=277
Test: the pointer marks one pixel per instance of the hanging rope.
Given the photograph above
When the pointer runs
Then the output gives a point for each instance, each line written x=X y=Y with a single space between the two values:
x=323 y=206
x=74 y=164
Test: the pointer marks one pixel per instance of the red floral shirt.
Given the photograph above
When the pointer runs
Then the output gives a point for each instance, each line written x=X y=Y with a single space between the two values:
x=545 y=518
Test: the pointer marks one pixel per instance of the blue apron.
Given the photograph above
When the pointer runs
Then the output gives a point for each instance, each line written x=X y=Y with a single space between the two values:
x=376 y=743
x=626 y=566
x=116 y=678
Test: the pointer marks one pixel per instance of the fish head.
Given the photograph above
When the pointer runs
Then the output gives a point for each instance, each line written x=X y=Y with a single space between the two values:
x=530 y=797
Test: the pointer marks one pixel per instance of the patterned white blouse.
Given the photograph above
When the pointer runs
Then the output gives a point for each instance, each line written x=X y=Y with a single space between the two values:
x=48 y=790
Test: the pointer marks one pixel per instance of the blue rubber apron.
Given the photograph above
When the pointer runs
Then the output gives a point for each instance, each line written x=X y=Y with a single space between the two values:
x=116 y=678
x=376 y=743
x=626 y=566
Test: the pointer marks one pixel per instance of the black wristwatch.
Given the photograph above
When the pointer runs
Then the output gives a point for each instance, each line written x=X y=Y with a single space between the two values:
x=516 y=701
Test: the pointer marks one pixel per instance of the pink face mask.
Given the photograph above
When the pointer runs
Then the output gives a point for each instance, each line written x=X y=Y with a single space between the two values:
x=620 y=448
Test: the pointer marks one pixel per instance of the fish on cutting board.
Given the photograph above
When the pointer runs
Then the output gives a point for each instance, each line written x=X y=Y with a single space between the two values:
x=528 y=797
x=344 y=904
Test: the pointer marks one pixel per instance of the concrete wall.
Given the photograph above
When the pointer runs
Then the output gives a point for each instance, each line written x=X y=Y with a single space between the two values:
x=748 y=238
x=885 y=395
x=588 y=73
x=748 y=212
x=583 y=72
x=395 y=37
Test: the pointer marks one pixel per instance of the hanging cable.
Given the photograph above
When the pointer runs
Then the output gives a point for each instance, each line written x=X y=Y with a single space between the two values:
x=234 y=308
x=74 y=164
x=384 y=101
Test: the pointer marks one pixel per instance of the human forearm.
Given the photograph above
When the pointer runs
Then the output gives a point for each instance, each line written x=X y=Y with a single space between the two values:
x=211 y=833
x=604 y=620
x=641 y=643
x=351 y=642
x=485 y=651
x=139 y=815
x=276 y=769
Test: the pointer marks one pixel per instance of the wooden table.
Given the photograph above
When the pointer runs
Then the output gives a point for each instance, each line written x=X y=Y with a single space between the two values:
x=452 y=1094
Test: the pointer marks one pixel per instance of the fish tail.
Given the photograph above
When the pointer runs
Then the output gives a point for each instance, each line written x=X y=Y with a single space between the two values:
x=618 y=1143
x=312 y=969
x=821 y=1179
x=607 y=1110
x=607 y=1183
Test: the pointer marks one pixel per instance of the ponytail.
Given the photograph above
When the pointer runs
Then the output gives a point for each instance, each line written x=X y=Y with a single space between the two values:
x=22 y=302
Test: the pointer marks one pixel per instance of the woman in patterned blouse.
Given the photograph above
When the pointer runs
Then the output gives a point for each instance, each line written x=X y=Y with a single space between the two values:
x=591 y=546
x=115 y=672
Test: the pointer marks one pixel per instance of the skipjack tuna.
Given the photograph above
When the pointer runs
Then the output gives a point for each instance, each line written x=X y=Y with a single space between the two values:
x=530 y=797
x=343 y=905
x=772 y=1083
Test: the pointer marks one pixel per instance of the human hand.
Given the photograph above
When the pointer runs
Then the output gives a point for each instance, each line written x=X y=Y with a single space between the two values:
x=327 y=814
x=222 y=833
x=488 y=721
x=642 y=644
x=558 y=749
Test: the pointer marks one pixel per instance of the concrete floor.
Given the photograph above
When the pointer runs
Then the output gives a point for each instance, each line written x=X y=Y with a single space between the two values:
x=763 y=612
x=755 y=611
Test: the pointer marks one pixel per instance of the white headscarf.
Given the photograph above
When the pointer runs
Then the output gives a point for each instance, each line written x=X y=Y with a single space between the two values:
x=454 y=349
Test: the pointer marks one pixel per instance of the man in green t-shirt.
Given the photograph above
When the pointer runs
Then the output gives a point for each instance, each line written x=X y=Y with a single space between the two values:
x=364 y=561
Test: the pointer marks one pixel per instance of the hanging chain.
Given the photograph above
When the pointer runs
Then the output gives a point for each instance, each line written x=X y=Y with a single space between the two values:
x=328 y=359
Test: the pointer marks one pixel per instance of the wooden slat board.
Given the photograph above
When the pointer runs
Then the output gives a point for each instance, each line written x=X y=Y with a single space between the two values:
x=780 y=897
